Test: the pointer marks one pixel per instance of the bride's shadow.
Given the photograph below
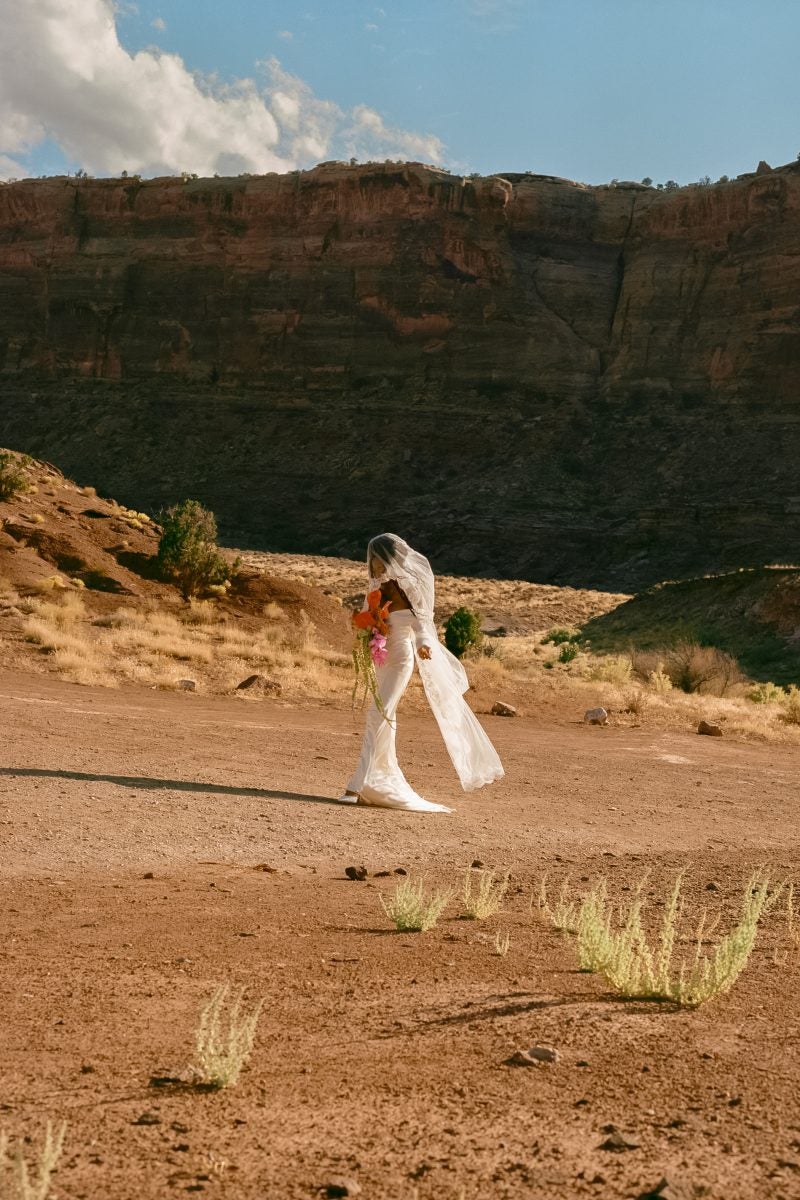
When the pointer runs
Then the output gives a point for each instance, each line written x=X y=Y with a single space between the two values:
x=145 y=782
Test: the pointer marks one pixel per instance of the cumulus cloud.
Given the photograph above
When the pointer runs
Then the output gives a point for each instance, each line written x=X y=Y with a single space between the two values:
x=64 y=75
x=159 y=23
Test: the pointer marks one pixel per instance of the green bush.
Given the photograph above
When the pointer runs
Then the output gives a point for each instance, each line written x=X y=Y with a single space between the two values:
x=557 y=637
x=187 y=553
x=567 y=652
x=14 y=479
x=462 y=630
x=766 y=693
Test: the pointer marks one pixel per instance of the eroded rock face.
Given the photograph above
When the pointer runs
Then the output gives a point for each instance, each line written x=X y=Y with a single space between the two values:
x=524 y=375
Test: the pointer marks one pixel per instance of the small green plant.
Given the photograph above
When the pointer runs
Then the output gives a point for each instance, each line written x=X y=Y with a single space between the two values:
x=14 y=477
x=463 y=629
x=484 y=900
x=224 y=1040
x=502 y=942
x=557 y=637
x=638 y=969
x=766 y=693
x=568 y=652
x=413 y=910
x=188 y=552
x=15 y=1175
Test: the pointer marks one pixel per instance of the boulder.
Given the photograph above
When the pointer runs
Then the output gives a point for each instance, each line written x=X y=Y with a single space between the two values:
x=596 y=716
x=501 y=709
x=709 y=728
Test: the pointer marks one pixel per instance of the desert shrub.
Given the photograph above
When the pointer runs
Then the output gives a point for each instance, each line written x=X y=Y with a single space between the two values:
x=463 y=629
x=791 y=705
x=705 y=669
x=766 y=693
x=557 y=637
x=484 y=900
x=563 y=913
x=637 y=701
x=224 y=1040
x=568 y=652
x=612 y=668
x=15 y=1175
x=659 y=681
x=413 y=910
x=188 y=552
x=642 y=968
x=14 y=478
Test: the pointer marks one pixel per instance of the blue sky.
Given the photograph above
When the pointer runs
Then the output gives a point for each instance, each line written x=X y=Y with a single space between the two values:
x=588 y=89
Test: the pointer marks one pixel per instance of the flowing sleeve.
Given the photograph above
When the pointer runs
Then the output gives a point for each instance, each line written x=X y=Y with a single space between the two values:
x=424 y=633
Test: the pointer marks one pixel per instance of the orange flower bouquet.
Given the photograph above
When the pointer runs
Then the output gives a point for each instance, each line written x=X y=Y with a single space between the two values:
x=371 y=627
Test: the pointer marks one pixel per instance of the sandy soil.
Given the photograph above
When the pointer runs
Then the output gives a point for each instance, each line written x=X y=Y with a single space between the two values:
x=380 y=1056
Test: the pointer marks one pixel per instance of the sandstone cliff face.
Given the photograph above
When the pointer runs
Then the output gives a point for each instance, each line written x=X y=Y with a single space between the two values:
x=528 y=376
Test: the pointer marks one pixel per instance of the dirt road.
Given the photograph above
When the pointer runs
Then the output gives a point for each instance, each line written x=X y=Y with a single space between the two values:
x=380 y=1056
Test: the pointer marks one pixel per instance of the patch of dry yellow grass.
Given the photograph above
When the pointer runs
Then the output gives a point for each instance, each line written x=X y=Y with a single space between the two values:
x=155 y=647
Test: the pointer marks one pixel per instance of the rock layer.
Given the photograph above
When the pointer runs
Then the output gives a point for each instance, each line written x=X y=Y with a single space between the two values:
x=527 y=376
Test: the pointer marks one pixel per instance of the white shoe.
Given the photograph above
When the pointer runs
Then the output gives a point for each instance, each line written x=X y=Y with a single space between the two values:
x=401 y=804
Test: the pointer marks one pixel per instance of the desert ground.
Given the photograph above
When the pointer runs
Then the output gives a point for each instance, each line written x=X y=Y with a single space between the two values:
x=155 y=845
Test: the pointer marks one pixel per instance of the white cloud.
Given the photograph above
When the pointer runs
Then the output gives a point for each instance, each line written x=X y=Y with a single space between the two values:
x=370 y=28
x=159 y=23
x=10 y=169
x=286 y=34
x=65 y=76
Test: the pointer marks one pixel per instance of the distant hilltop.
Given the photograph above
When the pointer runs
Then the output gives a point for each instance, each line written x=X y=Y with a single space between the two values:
x=596 y=385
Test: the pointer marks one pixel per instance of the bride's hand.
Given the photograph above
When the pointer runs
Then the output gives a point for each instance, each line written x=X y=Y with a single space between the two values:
x=424 y=651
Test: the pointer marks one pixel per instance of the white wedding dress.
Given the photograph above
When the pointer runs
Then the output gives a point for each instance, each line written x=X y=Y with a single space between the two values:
x=378 y=780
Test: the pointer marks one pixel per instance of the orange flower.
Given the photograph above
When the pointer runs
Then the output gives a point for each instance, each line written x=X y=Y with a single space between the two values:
x=375 y=615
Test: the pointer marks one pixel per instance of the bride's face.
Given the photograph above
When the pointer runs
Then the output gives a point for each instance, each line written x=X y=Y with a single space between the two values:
x=376 y=568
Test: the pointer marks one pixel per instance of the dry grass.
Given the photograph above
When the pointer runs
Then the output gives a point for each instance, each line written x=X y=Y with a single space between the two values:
x=502 y=943
x=19 y=1181
x=412 y=909
x=155 y=647
x=225 y=1038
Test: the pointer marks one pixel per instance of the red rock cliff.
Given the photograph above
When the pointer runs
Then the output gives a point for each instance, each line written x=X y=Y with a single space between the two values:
x=528 y=376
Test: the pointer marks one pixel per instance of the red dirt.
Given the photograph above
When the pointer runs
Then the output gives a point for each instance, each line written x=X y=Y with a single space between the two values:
x=379 y=1056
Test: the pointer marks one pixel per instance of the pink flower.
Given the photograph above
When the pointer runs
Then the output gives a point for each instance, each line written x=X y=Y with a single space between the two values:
x=377 y=648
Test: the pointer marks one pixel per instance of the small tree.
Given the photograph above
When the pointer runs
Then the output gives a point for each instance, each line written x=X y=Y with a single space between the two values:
x=462 y=630
x=14 y=479
x=188 y=552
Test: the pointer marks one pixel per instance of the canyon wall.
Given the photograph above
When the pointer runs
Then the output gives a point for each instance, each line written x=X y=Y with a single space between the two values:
x=526 y=376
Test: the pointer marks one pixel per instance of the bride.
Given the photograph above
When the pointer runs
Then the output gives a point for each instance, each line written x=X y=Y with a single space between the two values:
x=405 y=580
